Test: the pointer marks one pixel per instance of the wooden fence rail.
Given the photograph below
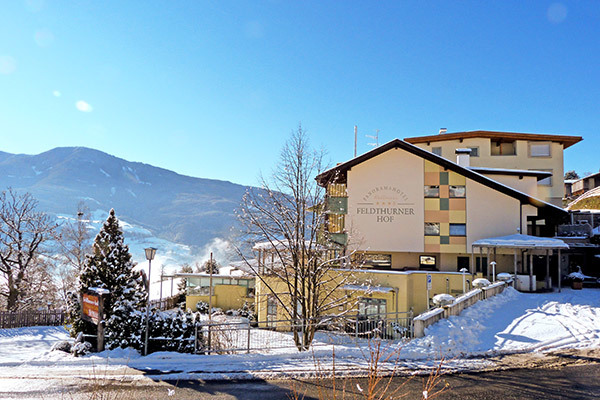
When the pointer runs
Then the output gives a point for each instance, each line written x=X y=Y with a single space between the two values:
x=19 y=319
x=165 y=304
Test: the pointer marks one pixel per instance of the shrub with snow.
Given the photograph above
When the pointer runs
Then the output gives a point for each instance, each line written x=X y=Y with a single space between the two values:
x=443 y=299
x=62 y=345
x=504 y=276
x=202 y=307
x=81 y=349
x=481 y=283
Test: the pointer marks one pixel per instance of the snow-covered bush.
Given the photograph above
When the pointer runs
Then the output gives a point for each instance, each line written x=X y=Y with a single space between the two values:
x=173 y=331
x=202 y=307
x=443 y=299
x=504 y=276
x=481 y=283
x=62 y=345
x=81 y=348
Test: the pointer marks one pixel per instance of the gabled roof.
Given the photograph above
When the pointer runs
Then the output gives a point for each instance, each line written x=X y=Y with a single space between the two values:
x=338 y=173
x=565 y=140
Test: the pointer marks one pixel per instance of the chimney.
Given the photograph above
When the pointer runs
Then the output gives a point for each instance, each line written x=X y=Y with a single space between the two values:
x=463 y=157
x=443 y=130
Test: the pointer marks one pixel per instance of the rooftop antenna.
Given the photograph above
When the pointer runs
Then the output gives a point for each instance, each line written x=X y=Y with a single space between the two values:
x=374 y=137
x=355 y=139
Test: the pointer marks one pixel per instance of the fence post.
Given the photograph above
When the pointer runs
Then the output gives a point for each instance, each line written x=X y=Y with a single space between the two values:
x=356 y=326
x=248 y=335
x=209 y=338
x=196 y=338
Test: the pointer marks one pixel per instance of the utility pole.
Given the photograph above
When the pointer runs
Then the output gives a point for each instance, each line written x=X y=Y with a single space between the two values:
x=355 y=139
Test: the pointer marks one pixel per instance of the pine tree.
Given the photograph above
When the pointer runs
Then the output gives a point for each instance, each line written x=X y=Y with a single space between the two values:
x=211 y=264
x=110 y=267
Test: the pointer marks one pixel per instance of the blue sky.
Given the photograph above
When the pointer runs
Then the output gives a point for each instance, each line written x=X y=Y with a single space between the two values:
x=213 y=88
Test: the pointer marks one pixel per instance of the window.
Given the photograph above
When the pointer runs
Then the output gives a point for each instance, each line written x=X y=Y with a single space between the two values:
x=371 y=307
x=432 y=191
x=437 y=151
x=539 y=150
x=546 y=181
x=378 y=261
x=458 y=191
x=426 y=261
x=501 y=148
x=432 y=229
x=458 y=230
x=474 y=151
x=271 y=311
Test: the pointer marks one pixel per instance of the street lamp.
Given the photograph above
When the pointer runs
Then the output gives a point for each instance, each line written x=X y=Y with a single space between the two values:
x=493 y=264
x=464 y=274
x=150 y=253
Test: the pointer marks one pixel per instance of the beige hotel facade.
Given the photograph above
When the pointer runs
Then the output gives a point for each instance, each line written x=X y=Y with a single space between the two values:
x=403 y=207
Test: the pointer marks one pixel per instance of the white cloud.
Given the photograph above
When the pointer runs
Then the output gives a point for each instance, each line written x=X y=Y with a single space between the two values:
x=8 y=65
x=56 y=93
x=83 y=106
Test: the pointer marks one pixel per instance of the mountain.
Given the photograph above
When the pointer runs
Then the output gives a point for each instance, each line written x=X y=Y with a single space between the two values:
x=174 y=207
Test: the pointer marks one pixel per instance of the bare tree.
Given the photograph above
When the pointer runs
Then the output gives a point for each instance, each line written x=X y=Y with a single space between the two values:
x=287 y=217
x=74 y=241
x=23 y=233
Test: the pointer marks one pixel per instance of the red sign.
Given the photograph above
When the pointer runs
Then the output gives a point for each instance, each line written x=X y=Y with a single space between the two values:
x=90 y=307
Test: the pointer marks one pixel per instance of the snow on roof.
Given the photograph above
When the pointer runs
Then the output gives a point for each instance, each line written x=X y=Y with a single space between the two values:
x=99 y=290
x=521 y=241
x=280 y=245
x=365 y=288
x=590 y=193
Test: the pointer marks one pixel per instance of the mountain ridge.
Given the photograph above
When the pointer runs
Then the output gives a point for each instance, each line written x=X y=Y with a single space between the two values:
x=173 y=206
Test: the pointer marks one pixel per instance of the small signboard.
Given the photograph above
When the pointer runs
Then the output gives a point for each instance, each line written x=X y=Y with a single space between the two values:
x=91 y=304
x=92 y=309
x=428 y=282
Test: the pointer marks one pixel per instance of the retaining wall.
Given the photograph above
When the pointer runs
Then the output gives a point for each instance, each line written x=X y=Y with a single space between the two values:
x=428 y=318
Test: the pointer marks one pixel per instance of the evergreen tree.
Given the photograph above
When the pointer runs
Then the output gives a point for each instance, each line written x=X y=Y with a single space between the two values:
x=211 y=265
x=110 y=267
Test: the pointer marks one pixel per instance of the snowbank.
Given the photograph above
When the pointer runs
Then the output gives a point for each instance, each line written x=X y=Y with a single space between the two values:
x=510 y=322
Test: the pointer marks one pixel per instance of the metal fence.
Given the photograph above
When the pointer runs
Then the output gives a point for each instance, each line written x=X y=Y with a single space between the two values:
x=19 y=319
x=233 y=337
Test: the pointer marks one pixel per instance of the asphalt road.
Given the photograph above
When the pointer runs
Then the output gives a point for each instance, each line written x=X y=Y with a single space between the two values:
x=568 y=382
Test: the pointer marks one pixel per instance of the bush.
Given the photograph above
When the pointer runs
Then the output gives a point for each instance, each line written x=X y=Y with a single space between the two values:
x=202 y=307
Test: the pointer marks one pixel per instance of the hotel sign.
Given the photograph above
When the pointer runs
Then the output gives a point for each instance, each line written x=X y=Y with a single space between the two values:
x=385 y=203
x=90 y=307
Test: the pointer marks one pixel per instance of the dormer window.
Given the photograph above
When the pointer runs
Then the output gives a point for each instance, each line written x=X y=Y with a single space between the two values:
x=539 y=150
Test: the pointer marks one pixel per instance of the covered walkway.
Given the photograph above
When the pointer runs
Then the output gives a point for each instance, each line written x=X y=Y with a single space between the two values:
x=523 y=243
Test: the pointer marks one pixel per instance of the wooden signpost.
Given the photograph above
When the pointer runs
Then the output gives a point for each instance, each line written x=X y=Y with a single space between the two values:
x=92 y=309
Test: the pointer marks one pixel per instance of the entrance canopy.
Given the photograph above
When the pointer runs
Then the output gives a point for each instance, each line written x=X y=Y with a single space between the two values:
x=520 y=241
x=529 y=243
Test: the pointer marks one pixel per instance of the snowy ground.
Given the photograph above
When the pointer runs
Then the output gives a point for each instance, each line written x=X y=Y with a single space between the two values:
x=509 y=323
